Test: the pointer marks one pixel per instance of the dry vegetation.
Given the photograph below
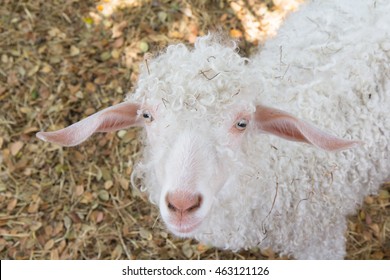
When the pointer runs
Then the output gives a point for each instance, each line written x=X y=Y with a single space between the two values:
x=62 y=60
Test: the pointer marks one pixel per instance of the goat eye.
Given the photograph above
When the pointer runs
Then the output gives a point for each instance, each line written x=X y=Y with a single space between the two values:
x=241 y=124
x=147 y=116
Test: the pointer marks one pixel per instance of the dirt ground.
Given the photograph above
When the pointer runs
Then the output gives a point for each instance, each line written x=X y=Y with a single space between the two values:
x=62 y=60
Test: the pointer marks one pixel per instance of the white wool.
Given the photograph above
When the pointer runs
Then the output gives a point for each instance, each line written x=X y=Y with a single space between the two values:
x=330 y=65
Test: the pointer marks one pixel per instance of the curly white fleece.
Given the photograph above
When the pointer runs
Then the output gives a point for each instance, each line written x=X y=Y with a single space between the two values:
x=330 y=65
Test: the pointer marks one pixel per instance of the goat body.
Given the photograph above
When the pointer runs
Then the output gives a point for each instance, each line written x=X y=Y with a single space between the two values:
x=226 y=167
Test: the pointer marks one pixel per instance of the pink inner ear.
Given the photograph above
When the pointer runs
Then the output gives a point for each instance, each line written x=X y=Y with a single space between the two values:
x=113 y=118
x=286 y=126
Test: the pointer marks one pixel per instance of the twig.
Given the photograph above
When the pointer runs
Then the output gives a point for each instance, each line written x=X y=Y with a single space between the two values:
x=204 y=74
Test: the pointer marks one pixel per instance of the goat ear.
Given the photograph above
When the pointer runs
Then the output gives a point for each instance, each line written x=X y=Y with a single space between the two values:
x=282 y=124
x=113 y=118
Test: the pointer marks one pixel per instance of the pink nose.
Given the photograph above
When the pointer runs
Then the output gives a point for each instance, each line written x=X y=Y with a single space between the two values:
x=182 y=202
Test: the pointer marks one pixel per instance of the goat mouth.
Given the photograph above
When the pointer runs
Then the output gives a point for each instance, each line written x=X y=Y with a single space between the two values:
x=184 y=229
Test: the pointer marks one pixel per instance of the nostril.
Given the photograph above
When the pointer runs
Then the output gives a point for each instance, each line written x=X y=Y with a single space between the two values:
x=196 y=205
x=183 y=201
x=171 y=206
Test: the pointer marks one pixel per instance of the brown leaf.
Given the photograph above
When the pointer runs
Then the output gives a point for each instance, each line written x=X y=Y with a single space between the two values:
x=187 y=250
x=79 y=190
x=375 y=228
x=118 y=43
x=54 y=255
x=74 y=51
x=49 y=244
x=145 y=234
x=16 y=147
x=117 y=252
x=59 y=227
x=61 y=246
x=33 y=71
x=33 y=208
x=48 y=230
x=115 y=54
x=35 y=226
x=117 y=29
x=12 y=204
x=87 y=198
x=124 y=183
x=369 y=200
x=101 y=80
x=12 y=79
x=368 y=219
x=2 y=90
x=74 y=88
x=235 y=33
x=44 y=92
x=28 y=130
x=108 y=184
x=90 y=87
x=46 y=68
x=99 y=217
x=378 y=255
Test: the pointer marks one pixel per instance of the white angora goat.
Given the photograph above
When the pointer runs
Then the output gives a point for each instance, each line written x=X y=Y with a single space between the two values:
x=228 y=168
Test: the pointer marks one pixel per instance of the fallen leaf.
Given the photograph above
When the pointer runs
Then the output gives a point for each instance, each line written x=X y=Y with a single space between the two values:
x=201 y=248
x=67 y=222
x=108 y=184
x=369 y=200
x=2 y=89
x=99 y=217
x=162 y=16
x=144 y=47
x=4 y=58
x=79 y=190
x=49 y=244
x=115 y=54
x=74 y=88
x=145 y=234
x=378 y=255
x=235 y=33
x=33 y=71
x=104 y=195
x=118 y=43
x=34 y=226
x=33 y=208
x=90 y=87
x=187 y=250
x=87 y=198
x=117 y=252
x=54 y=255
x=89 y=111
x=74 y=51
x=117 y=29
x=105 y=56
x=16 y=147
x=384 y=194
x=124 y=183
x=28 y=130
x=12 y=79
x=121 y=133
x=375 y=228
x=12 y=204
x=46 y=68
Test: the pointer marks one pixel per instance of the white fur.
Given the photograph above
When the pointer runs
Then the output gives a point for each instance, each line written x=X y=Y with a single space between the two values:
x=330 y=65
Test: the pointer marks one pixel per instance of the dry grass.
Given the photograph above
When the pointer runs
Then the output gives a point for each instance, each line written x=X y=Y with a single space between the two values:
x=63 y=60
